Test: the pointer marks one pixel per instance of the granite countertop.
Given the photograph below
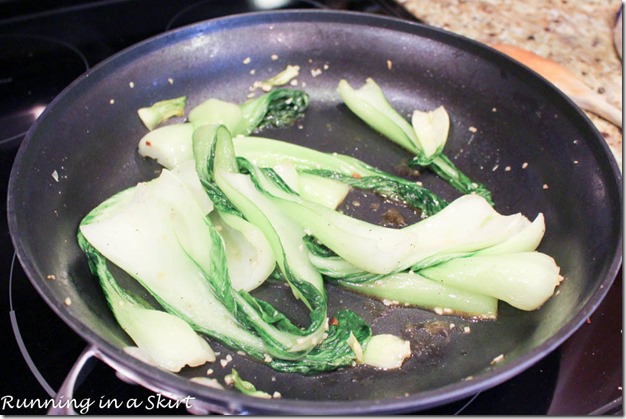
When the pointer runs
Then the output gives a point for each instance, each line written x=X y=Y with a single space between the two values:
x=578 y=34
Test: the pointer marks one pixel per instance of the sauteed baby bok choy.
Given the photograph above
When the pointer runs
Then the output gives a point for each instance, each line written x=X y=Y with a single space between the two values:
x=231 y=210
x=425 y=136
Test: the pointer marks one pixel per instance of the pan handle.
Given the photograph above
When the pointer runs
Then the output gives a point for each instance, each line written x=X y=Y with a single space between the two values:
x=63 y=404
x=63 y=400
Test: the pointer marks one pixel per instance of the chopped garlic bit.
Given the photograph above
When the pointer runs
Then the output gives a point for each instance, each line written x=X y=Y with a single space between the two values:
x=55 y=175
x=67 y=301
x=497 y=359
x=247 y=60
x=466 y=330
x=112 y=101
x=545 y=186
x=170 y=80
x=472 y=129
x=316 y=72
x=524 y=165
x=507 y=169
x=226 y=361
x=277 y=395
x=51 y=277
x=274 y=57
x=131 y=84
x=386 y=351
x=209 y=382
x=389 y=64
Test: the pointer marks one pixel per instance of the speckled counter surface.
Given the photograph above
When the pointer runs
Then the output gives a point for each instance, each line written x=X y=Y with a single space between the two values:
x=577 y=34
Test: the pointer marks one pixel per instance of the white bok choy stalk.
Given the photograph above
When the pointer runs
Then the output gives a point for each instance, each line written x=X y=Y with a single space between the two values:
x=468 y=284
x=466 y=225
x=163 y=339
x=250 y=259
x=156 y=232
x=277 y=108
x=410 y=288
x=525 y=280
x=425 y=139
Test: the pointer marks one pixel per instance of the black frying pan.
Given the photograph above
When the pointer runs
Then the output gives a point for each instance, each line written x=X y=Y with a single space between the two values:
x=534 y=149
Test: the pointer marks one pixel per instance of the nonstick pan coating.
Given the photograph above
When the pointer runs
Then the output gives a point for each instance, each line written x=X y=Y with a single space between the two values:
x=510 y=129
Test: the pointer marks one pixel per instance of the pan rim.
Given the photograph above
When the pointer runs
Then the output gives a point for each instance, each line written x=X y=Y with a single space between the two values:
x=422 y=400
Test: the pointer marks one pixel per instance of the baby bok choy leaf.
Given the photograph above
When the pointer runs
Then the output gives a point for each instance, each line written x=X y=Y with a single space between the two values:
x=525 y=280
x=270 y=153
x=402 y=288
x=315 y=347
x=425 y=138
x=466 y=225
x=245 y=387
x=163 y=339
x=216 y=163
x=410 y=288
x=156 y=233
x=161 y=111
x=169 y=145
x=277 y=108
x=250 y=260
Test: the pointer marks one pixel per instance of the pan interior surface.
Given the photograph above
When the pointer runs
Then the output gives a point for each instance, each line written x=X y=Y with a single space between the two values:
x=510 y=129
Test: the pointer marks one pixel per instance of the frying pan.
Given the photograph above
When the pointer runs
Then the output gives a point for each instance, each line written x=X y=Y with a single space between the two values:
x=510 y=129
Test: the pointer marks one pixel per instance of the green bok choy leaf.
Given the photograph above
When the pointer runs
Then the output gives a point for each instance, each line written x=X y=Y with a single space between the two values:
x=425 y=139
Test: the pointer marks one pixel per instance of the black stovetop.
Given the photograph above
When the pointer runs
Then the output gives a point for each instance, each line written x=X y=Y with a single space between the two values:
x=46 y=44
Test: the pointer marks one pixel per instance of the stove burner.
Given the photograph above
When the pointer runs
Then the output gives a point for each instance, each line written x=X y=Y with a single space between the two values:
x=209 y=9
x=33 y=70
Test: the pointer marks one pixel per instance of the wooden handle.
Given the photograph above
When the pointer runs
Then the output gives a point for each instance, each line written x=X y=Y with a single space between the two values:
x=566 y=81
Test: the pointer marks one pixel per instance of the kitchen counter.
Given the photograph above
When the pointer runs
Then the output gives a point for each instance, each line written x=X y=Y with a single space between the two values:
x=578 y=34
